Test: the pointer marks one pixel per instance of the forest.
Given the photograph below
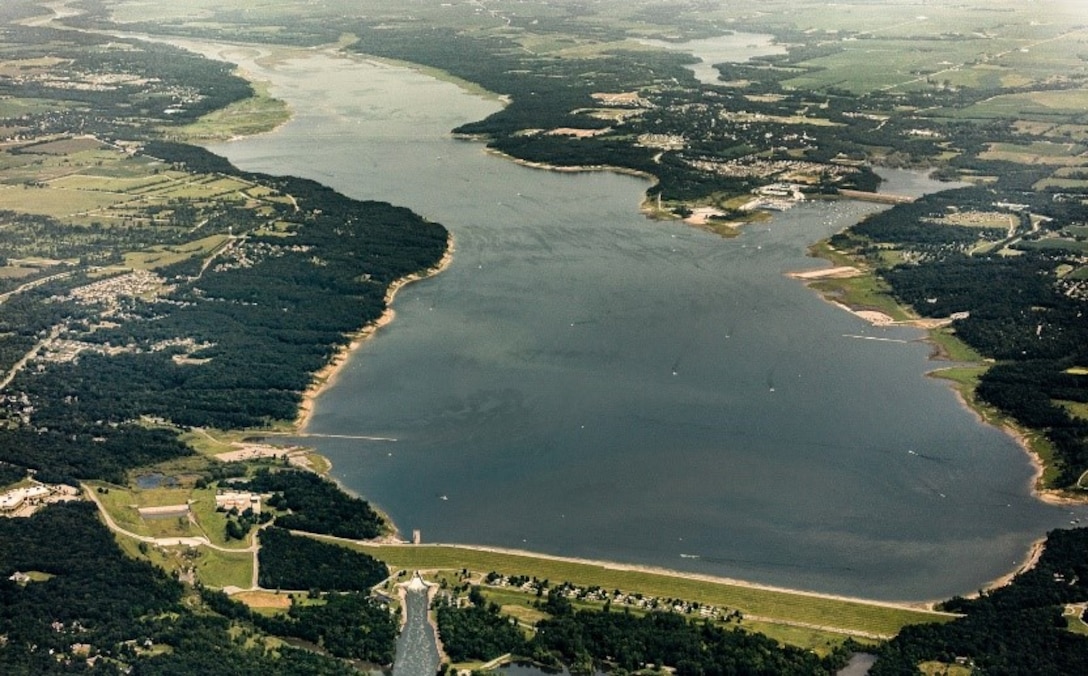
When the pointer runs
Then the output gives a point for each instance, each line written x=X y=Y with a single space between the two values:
x=1016 y=629
x=588 y=641
x=477 y=631
x=350 y=626
x=295 y=562
x=271 y=315
x=87 y=605
x=315 y=504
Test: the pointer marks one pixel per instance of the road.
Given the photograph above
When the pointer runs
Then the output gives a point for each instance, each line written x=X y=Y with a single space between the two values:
x=197 y=541
x=32 y=284
x=19 y=365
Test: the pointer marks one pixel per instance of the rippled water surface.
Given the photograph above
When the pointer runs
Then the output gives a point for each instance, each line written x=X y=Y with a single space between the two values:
x=586 y=382
x=416 y=651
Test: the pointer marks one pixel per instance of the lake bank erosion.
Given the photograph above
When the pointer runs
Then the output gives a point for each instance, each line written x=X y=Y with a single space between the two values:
x=610 y=294
x=940 y=334
x=326 y=377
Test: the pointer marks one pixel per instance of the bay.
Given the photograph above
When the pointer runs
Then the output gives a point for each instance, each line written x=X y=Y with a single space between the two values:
x=585 y=382
x=727 y=48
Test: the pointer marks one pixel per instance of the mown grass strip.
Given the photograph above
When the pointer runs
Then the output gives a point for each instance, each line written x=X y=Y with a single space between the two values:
x=771 y=604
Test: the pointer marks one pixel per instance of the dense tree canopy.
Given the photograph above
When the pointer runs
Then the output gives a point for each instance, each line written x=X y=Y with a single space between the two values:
x=1016 y=629
x=316 y=505
x=294 y=562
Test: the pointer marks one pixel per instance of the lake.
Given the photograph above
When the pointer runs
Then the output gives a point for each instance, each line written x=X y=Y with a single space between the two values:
x=585 y=382
x=722 y=49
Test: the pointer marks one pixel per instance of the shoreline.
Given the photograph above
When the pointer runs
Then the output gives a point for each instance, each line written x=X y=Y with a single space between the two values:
x=1049 y=496
x=926 y=606
x=646 y=205
x=1035 y=552
x=326 y=376
x=573 y=169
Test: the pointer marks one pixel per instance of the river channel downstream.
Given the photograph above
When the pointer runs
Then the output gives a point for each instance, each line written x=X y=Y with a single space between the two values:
x=585 y=382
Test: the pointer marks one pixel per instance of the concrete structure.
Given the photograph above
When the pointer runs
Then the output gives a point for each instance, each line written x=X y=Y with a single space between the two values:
x=164 y=512
x=240 y=500
x=14 y=499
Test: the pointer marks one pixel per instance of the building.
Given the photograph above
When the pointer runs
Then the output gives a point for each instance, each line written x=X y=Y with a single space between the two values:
x=239 y=500
x=14 y=499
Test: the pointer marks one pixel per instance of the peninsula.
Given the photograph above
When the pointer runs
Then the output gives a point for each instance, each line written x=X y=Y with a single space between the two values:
x=162 y=313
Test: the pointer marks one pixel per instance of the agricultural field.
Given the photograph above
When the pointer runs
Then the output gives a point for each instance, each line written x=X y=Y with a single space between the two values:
x=1040 y=152
x=78 y=198
x=74 y=188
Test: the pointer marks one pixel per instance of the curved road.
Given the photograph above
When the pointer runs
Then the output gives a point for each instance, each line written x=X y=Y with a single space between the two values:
x=198 y=541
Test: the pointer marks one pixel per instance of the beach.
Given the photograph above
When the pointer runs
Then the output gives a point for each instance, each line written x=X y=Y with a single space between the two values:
x=327 y=376
x=589 y=256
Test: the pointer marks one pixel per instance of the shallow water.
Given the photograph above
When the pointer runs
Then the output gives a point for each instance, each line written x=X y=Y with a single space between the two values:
x=585 y=382
x=722 y=49
x=417 y=654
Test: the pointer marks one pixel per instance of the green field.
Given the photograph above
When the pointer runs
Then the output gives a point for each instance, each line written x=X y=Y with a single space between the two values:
x=160 y=256
x=123 y=504
x=866 y=292
x=773 y=606
x=255 y=115
x=1076 y=408
x=212 y=568
x=951 y=347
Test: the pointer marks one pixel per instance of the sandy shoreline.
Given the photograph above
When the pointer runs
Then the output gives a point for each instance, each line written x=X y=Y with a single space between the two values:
x=326 y=377
x=698 y=577
x=1034 y=553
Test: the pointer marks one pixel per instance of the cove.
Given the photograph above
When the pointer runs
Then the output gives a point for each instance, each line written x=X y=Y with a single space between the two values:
x=585 y=382
x=728 y=48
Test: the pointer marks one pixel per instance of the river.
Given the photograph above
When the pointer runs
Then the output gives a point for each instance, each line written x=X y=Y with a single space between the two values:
x=585 y=382
x=417 y=650
x=722 y=49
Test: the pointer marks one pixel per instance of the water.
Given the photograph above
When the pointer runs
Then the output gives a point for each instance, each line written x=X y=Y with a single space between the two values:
x=417 y=654
x=155 y=480
x=859 y=665
x=722 y=49
x=585 y=382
